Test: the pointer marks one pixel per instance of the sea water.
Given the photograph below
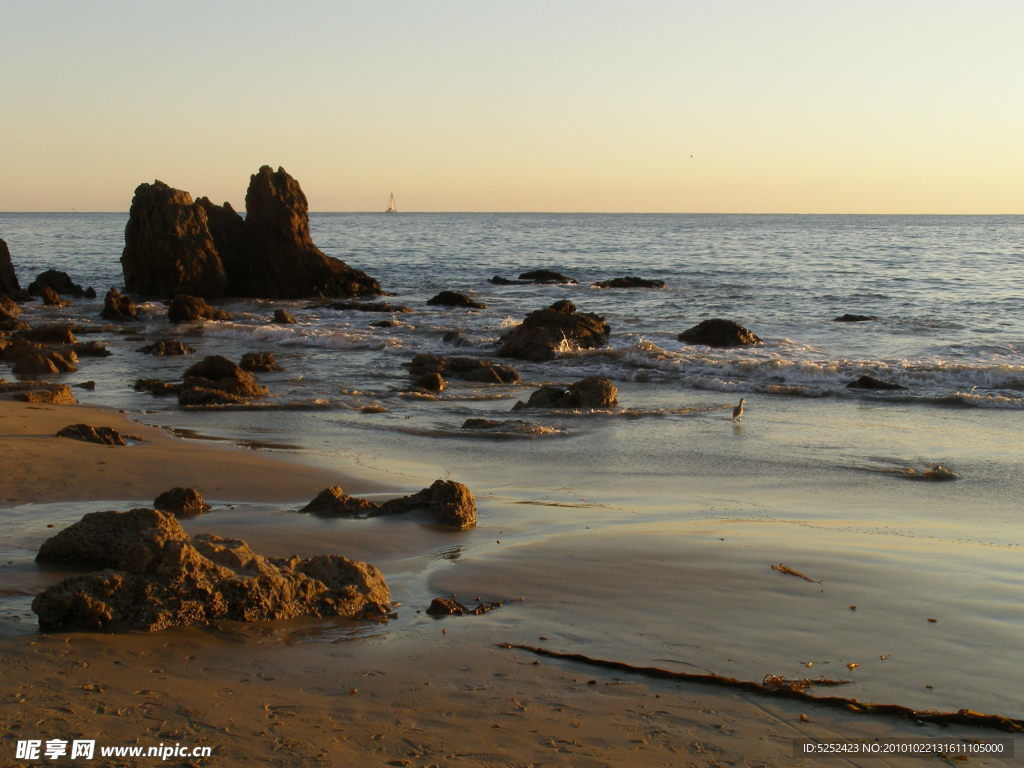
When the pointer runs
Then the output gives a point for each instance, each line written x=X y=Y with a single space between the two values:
x=650 y=528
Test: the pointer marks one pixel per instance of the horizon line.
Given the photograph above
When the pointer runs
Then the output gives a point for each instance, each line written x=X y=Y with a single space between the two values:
x=585 y=213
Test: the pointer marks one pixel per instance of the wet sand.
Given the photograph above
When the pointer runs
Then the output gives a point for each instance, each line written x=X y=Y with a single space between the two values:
x=420 y=691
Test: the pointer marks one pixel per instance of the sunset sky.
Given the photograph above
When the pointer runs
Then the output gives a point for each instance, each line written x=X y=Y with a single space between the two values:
x=802 y=106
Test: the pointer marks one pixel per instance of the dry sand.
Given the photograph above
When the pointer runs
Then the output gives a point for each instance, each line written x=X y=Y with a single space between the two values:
x=417 y=693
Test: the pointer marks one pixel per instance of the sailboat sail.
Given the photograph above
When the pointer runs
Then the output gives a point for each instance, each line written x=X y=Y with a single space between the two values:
x=391 y=204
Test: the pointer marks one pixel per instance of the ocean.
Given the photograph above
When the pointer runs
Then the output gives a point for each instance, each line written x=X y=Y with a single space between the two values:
x=647 y=533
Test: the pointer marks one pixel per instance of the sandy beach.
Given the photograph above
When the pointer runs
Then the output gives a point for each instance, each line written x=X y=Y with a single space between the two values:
x=416 y=691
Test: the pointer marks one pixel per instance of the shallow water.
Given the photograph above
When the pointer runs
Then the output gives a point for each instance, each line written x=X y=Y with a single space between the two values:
x=611 y=523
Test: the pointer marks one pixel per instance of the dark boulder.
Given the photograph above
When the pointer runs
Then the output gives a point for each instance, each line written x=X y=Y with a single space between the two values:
x=260 y=362
x=431 y=381
x=454 y=299
x=181 y=502
x=28 y=359
x=168 y=248
x=546 y=276
x=449 y=606
x=90 y=349
x=157 y=387
x=118 y=307
x=369 y=306
x=870 y=382
x=456 y=339
x=156 y=577
x=183 y=309
x=719 y=333
x=465 y=368
x=215 y=380
x=591 y=392
x=49 y=334
x=630 y=282
x=449 y=503
x=284 y=317
x=167 y=347
x=545 y=332
x=499 y=280
x=334 y=502
x=59 y=282
x=848 y=318
x=90 y=434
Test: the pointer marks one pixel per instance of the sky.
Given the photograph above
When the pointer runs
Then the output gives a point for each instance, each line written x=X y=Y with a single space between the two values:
x=757 y=106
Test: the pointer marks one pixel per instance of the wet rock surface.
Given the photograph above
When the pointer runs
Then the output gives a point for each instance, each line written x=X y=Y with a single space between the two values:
x=181 y=502
x=60 y=283
x=591 y=392
x=215 y=380
x=449 y=606
x=284 y=317
x=630 y=282
x=719 y=333
x=544 y=332
x=155 y=577
x=184 y=308
x=870 y=382
x=259 y=362
x=454 y=299
x=465 y=368
x=167 y=347
x=118 y=307
x=447 y=502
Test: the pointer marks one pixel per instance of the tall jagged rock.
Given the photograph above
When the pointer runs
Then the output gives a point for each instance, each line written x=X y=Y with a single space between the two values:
x=268 y=254
x=8 y=279
x=168 y=248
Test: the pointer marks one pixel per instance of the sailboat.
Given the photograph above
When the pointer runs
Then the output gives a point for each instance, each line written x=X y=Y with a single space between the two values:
x=391 y=204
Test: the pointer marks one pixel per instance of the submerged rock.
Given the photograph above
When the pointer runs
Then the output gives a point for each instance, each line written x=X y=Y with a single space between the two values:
x=432 y=381
x=334 y=502
x=181 y=502
x=848 y=318
x=545 y=332
x=546 y=276
x=51 y=298
x=369 y=306
x=167 y=347
x=156 y=577
x=259 y=362
x=454 y=299
x=465 y=368
x=870 y=382
x=630 y=282
x=719 y=333
x=284 y=317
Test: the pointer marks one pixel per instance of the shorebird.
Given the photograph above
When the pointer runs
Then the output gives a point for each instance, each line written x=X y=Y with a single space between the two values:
x=738 y=410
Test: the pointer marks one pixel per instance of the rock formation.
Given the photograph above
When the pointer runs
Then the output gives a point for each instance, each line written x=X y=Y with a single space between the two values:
x=118 y=307
x=546 y=276
x=454 y=299
x=591 y=392
x=61 y=283
x=719 y=333
x=449 y=503
x=167 y=347
x=284 y=317
x=848 y=318
x=8 y=278
x=870 y=382
x=630 y=282
x=260 y=362
x=465 y=368
x=215 y=380
x=51 y=298
x=181 y=502
x=90 y=434
x=184 y=308
x=174 y=245
x=545 y=332
x=155 y=577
